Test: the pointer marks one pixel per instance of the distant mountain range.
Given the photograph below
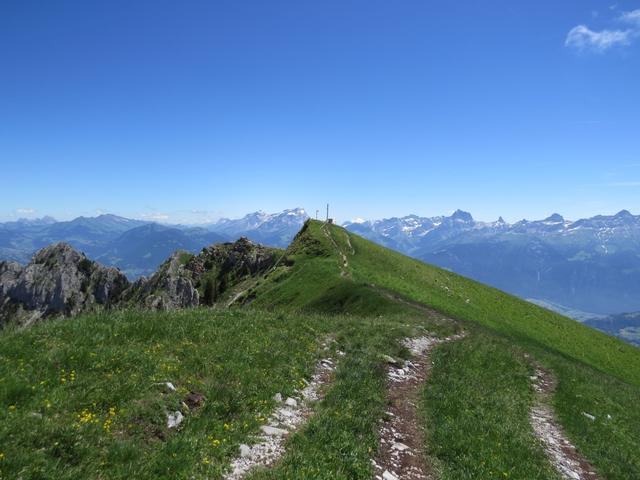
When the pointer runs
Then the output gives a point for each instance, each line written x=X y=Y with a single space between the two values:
x=591 y=265
x=138 y=247
x=587 y=268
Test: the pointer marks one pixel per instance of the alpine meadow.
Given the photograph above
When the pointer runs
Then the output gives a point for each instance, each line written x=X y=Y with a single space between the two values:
x=319 y=240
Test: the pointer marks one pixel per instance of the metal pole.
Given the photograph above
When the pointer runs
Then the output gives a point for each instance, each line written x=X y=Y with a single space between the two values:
x=327 y=212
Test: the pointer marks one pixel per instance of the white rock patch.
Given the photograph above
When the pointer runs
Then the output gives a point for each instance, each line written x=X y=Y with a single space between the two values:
x=560 y=451
x=270 y=444
x=174 y=419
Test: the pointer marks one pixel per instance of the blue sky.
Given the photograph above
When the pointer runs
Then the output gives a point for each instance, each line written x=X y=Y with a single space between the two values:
x=188 y=111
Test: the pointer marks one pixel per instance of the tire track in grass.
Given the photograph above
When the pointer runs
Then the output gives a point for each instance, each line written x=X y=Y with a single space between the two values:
x=561 y=452
x=290 y=416
x=400 y=454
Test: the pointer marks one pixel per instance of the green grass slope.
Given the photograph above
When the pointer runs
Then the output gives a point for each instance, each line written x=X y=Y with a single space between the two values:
x=596 y=373
x=83 y=398
x=86 y=397
x=312 y=283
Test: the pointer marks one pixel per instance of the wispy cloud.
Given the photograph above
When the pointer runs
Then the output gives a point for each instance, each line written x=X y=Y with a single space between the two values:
x=632 y=17
x=155 y=216
x=583 y=38
x=25 y=211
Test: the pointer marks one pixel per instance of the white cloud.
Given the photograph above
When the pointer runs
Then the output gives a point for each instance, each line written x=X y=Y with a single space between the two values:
x=25 y=211
x=632 y=17
x=583 y=38
x=156 y=217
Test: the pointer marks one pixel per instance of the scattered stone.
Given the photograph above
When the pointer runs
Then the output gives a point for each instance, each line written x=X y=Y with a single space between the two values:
x=399 y=446
x=387 y=475
x=589 y=416
x=277 y=397
x=245 y=450
x=174 y=419
x=273 y=431
x=170 y=386
x=291 y=402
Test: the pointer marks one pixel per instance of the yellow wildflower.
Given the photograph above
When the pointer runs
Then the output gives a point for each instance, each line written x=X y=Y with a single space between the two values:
x=106 y=426
x=85 y=416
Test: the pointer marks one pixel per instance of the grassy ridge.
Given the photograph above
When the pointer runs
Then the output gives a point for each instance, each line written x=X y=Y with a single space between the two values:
x=310 y=281
x=582 y=358
x=596 y=372
x=465 y=299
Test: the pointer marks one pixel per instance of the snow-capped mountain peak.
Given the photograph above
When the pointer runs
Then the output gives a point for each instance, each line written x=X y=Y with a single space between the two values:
x=270 y=228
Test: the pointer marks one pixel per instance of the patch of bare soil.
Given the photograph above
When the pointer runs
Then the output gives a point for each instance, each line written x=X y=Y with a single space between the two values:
x=561 y=452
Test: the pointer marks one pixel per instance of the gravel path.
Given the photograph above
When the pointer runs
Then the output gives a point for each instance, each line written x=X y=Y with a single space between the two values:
x=561 y=452
x=292 y=414
x=400 y=454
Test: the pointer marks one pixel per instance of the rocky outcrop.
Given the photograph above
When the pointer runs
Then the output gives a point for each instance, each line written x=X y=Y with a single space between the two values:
x=187 y=280
x=59 y=280
x=220 y=267
x=171 y=287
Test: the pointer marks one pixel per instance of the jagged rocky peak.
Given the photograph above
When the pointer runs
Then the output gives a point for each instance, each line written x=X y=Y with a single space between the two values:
x=219 y=268
x=57 y=253
x=462 y=216
x=185 y=280
x=59 y=280
x=242 y=255
x=624 y=214
x=554 y=218
x=171 y=287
